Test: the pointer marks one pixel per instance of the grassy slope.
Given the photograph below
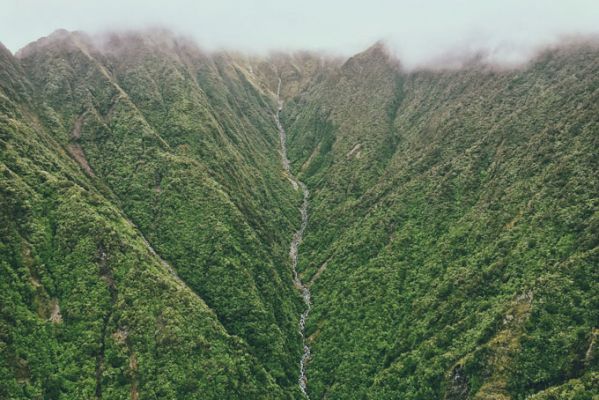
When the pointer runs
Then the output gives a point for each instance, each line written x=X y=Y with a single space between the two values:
x=453 y=227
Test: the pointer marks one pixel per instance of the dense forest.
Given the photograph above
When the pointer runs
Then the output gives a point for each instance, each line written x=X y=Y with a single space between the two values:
x=453 y=240
x=451 y=249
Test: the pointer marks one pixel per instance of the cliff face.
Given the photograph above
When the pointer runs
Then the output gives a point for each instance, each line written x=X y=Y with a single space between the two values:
x=146 y=219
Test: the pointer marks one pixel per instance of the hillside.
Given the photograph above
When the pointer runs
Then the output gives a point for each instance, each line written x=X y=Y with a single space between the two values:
x=143 y=137
x=454 y=227
x=451 y=247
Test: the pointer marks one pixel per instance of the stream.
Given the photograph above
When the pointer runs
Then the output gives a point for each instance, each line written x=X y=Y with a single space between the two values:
x=295 y=242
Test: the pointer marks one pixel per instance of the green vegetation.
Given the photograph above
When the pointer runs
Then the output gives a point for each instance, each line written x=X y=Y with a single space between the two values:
x=190 y=157
x=145 y=223
x=454 y=228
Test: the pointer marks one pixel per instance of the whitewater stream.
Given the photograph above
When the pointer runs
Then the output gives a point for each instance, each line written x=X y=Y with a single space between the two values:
x=295 y=242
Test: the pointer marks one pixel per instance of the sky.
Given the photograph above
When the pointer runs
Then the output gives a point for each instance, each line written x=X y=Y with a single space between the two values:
x=419 y=31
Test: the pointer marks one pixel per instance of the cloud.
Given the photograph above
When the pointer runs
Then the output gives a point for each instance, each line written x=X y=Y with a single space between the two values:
x=419 y=31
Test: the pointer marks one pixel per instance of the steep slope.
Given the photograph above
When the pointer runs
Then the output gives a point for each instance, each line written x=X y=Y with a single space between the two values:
x=88 y=310
x=204 y=186
x=451 y=249
x=452 y=243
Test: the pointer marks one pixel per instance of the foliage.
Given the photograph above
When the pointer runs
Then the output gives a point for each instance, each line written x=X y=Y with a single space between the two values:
x=453 y=227
x=145 y=222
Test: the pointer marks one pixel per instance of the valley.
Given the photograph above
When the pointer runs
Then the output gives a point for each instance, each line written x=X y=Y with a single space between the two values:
x=184 y=223
x=295 y=242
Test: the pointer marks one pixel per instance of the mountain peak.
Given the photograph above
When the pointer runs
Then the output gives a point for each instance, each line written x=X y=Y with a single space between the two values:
x=4 y=49
x=59 y=36
x=379 y=47
x=378 y=51
x=374 y=57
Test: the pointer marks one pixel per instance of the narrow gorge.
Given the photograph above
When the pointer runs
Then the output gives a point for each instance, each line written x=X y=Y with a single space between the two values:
x=295 y=242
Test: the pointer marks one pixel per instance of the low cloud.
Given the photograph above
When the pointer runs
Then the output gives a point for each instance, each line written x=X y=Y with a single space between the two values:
x=420 y=32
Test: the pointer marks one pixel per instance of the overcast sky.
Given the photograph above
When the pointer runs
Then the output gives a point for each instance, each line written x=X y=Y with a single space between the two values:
x=419 y=30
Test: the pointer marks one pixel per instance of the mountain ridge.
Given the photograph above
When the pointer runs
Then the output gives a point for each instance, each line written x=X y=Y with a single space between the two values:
x=450 y=251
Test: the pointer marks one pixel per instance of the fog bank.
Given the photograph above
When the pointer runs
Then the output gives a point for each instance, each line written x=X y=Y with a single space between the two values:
x=419 y=32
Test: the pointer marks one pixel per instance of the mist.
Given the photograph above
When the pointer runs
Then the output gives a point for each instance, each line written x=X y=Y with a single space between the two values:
x=418 y=32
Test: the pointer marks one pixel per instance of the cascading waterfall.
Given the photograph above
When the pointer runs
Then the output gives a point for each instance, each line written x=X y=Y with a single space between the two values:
x=295 y=242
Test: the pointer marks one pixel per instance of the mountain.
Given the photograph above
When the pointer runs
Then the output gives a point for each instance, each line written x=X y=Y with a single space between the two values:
x=108 y=149
x=454 y=228
x=146 y=218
